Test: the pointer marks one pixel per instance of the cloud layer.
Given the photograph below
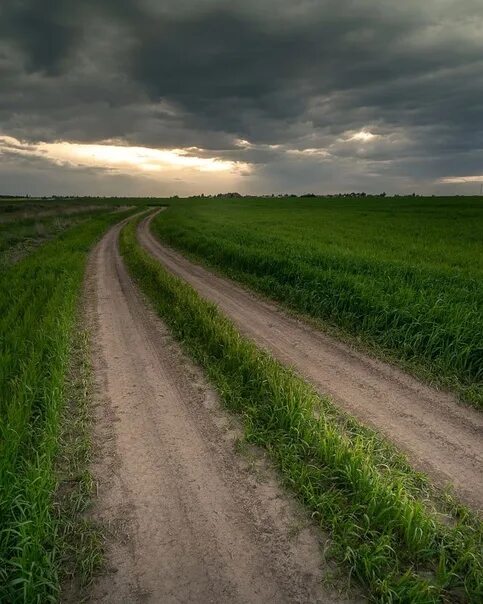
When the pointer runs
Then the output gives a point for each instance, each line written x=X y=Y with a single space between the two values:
x=322 y=95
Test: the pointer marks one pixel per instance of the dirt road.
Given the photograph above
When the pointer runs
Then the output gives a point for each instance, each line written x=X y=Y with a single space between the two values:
x=188 y=519
x=440 y=436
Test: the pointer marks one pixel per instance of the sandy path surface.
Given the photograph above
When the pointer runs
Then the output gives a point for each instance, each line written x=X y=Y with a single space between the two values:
x=187 y=518
x=440 y=436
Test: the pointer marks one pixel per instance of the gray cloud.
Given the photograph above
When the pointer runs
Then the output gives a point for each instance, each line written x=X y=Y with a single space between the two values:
x=284 y=76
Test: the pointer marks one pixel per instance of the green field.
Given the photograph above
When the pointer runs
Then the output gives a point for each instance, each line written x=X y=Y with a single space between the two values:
x=403 y=276
x=39 y=297
x=25 y=228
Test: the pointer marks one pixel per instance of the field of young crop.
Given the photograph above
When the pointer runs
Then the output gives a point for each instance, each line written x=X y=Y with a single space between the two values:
x=401 y=275
x=38 y=308
x=387 y=526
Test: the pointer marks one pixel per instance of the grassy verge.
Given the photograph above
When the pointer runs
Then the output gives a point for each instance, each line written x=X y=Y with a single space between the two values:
x=18 y=239
x=395 y=541
x=80 y=541
x=25 y=229
x=401 y=276
x=38 y=308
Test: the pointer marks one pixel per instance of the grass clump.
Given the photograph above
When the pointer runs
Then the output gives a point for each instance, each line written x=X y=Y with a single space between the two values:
x=402 y=276
x=383 y=529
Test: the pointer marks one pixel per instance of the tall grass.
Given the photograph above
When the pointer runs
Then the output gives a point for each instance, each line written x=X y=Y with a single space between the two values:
x=383 y=529
x=402 y=275
x=38 y=302
x=19 y=238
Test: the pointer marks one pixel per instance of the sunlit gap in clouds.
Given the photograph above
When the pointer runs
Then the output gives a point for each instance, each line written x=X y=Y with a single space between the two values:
x=462 y=179
x=363 y=135
x=119 y=157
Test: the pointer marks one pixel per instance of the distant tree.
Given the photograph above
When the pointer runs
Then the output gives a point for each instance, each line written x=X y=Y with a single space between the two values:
x=230 y=194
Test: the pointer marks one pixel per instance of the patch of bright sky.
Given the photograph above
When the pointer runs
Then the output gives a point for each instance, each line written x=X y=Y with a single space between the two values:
x=363 y=135
x=461 y=179
x=120 y=157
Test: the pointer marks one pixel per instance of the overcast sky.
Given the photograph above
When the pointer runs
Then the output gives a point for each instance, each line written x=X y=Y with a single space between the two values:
x=151 y=97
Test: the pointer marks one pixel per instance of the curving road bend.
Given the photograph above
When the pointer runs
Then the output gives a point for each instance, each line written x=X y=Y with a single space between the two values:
x=440 y=436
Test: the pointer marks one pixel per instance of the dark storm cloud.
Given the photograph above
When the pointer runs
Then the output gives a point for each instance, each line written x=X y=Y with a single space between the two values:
x=45 y=31
x=284 y=76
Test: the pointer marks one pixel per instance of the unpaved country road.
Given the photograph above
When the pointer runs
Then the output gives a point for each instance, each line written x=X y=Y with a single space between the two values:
x=187 y=518
x=440 y=436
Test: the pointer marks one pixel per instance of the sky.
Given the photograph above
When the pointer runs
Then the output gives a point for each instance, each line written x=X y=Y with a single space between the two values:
x=150 y=97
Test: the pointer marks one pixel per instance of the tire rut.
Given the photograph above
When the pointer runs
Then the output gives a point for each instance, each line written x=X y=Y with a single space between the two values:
x=187 y=519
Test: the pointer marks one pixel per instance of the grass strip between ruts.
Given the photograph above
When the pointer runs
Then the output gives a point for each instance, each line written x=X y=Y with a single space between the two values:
x=387 y=537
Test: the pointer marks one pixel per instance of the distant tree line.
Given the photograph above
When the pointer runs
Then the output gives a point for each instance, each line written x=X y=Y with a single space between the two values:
x=236 y=195
x=229 y=195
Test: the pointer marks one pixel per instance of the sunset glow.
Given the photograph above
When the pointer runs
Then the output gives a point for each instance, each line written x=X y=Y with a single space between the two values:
x=120 y=157
x=462 y=179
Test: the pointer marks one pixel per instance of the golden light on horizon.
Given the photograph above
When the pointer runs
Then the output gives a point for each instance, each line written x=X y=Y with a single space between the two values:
x=120 y=157
x=462 y=179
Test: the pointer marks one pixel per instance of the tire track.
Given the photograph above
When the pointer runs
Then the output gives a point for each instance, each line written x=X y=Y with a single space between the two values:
x=187 y=519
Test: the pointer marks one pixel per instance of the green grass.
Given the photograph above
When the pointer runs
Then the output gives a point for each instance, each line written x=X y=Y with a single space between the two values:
x=38 y=307
x=20 y=237
x=80 y=540
x=25 y=225
x=388 y=527
x=403 y=276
